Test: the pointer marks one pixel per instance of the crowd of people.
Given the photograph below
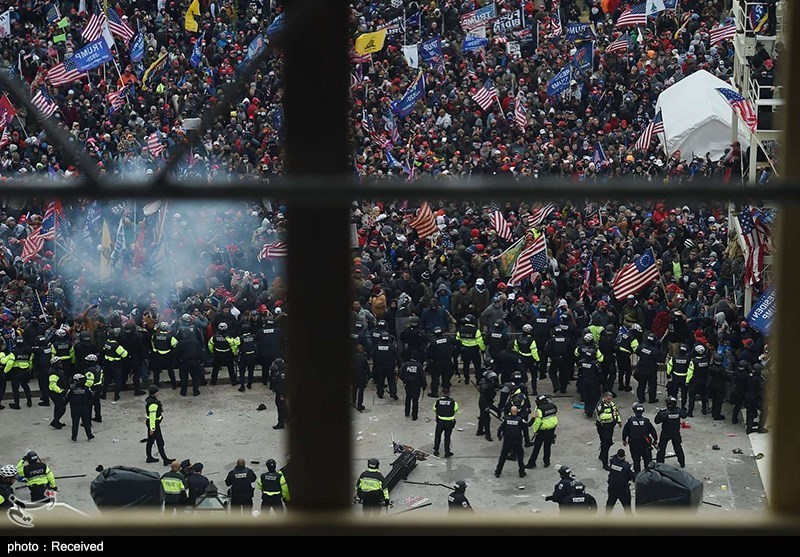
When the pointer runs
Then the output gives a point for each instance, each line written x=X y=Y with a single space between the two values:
x=425 y=308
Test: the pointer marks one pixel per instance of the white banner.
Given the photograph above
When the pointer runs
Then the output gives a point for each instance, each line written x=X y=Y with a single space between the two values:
x=411 y=53
x=5 y=24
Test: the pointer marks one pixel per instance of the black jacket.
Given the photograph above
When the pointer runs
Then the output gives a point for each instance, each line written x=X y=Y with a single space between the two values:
x=240 y=480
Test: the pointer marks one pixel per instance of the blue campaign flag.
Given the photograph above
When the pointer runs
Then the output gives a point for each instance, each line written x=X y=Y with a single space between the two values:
x=414 y=20
x=256 y=47
x=276 y=27
x=763 y=312
x=431 y=51
x=599 y=155
x=584 y=57
x=415 y=92
x=473 y=42
x=94 y=54
x=137 y=48
x=560 y=82
x=577 y=31
x=197 y=52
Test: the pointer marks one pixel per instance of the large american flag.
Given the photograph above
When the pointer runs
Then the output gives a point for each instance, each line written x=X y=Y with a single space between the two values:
x=655 y=127
x=44 y=104
x=533 y=258
x=726 y=30
x=633 y=15
x=754 y=236
x=538 y=215
x=500 y=224
x=741 y=106
x=119 y=27
x=486 y=96
x=33 y=244
x=63 y=73
x=620 y=45
x=116 y=99
x=520 y=119
x=154 y=145
x=94 y=27
x=636 y=275
x=277 y=249
x=424 y=223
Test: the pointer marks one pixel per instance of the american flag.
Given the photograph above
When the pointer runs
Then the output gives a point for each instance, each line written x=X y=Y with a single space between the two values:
x=118 y=98
x=533 y=258
x=366 y=123
x=520 y=118
x=599 y=156
x=154 y=145
x=633 y=15
x=635 y=276
x=499 y=223
x=538 y=215
x=471 y=71
x=486 y=96
x=278 y=249
x=754 y=237
x=94 y=27
x=586 y=287
x=119 y=27
x=726 y=30
x=741 y=106
x=424 y=223
x=620 y=45
x=33 y=244
x=42 y=101
x=5 y=139
x=63 y=73
x=556 y=29
x=655 y=127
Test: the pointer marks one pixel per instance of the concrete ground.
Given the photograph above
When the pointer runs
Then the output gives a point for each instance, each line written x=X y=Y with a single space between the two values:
x=223 y=424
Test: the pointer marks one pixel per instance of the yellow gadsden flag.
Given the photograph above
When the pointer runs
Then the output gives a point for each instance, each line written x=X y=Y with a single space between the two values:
x=192 y=15
x=370 y=42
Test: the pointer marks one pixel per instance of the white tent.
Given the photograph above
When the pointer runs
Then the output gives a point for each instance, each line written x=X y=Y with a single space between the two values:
x=696 y=117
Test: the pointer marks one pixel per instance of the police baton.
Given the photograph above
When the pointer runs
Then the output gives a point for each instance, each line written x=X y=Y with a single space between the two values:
x=429 y=484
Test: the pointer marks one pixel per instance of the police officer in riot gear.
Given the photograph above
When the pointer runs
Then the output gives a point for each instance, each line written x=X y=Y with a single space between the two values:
x=542 y=329
x=640 y=435
x=487 y=389
x=698 y=383
x=61 y=348
x=755 y=400
x=57 y=387
x=559 y=351
x=650 y=356
x=414 y=341
x=79 y=398
x=563 y=488
x=680 y=369
x=83 y=348
x=670 y=420
x=248 y=356
x=95 y=380
x=278 y=384
x=496 y=338
x=445 y=410
x=371 y=488
x=472 y=345
x=153 y=416
x=189 y=357
x=739 y=389
x=716 y=385
x=606 y=419
x=510 y=433
x=526 y=347
x=162 y=343
x=620 y=477
x=579 y=500
x=457 y=501
x=269 y=345
x=607 y=345
x=271 y=485
x=440 y=353
x=113 y=354
x=413 y=378
x=507 y=362
x=627 y=345
x=41 y=368
x=588 y=358
x=385 y=358
x=224 y=347
x=545 y=422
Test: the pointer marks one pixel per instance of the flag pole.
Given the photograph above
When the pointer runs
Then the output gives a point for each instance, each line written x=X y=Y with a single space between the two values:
x=22 y=126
